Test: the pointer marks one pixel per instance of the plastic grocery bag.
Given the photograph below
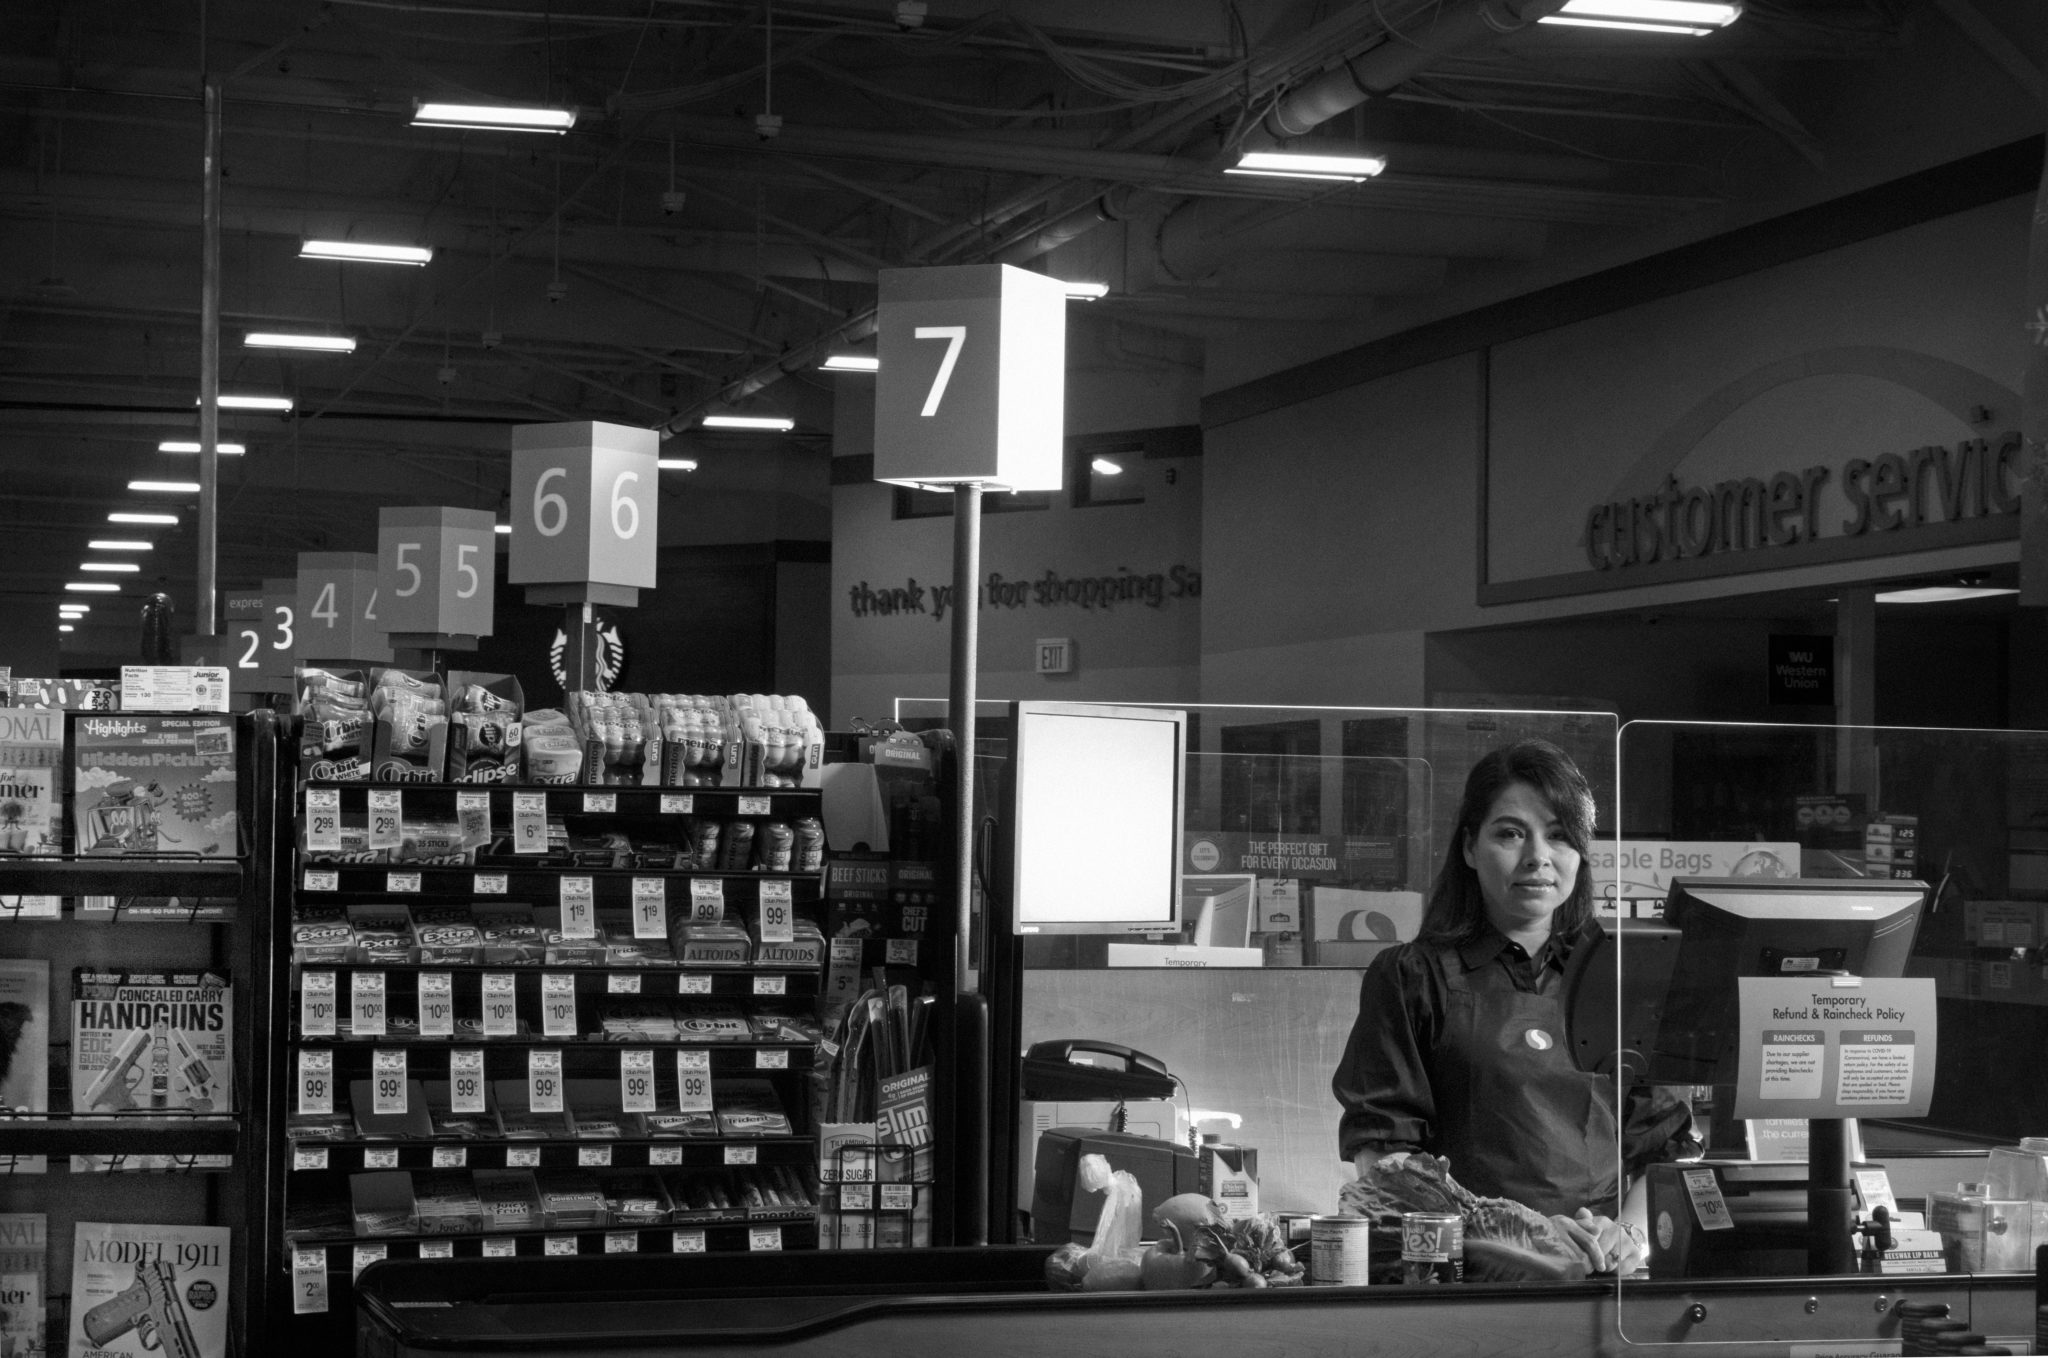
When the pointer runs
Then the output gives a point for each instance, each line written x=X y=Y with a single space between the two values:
x=1116 y=1234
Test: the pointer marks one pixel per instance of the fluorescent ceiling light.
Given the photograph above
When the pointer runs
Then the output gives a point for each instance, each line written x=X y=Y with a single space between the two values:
x=1308 y=165
x=73 y=611
x=365 y=252
x=1105 y=467
x=772 y=423
x=852 y=363
x=1693 y=17
x=118 y=545
x=182 y=446
x=166 y=487
x=1085 y=292
x=123 y=516
x=93 y=587
x=1939 y=594
x=110 y=567
x=234 y=402
x=494 y=117
x=502 y=527
x=677 y=464
x=65 y=627
x=332 y=344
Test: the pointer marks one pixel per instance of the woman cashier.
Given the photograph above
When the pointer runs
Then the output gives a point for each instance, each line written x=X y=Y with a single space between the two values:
x=1459 y=1048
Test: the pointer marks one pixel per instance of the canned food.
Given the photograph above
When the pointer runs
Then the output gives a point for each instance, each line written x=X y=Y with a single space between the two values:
x=1432 y=1247
x=1337 y=1250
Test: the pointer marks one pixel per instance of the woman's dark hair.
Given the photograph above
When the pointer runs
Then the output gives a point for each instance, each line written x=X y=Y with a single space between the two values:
x=1457 y=910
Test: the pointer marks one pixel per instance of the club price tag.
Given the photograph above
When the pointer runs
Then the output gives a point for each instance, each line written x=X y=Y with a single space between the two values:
x=490 y=884
x=309 y=1157
x=544 y=1081
x=466 y=1081
x=755 y=806
x=900 y=952
x=451 y=1157
x=764 y=1238
x=366 y=1004
x=529 y=822
x=636 y=1081
x=772 y=1058
x=316 y=1004
x=402 y=883
x=522 y=1157
x=650 y=907
x=707 y=899
x=677 y=803
x=437 y=1249
x=387 y=1083
x=309 y=1282
x=664 y=1155
x=1705 y=1191
x=579 y=908
x=693 y=1081
x=501 y=1005
x=856 y=1197
x=437 y=1004
x=499 y=1247
x=323 y=835
x=594 y=1157
x=362 y=1257
x=316 y=1080
x=686 y=1242
x=473 y=814
x=842 y=972
x=742 y=1155
x=558 y=1244
x=600 y=803
x=778 y=913
x=321 y=879
x=698 y=984
x=558 y=1005
x=387 y=818
x=380 y=1157
x=622 y=983
x=771 y=985
x=621 y=1242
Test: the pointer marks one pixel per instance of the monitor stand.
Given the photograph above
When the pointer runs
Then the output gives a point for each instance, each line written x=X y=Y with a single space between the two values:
x=1829 y=1247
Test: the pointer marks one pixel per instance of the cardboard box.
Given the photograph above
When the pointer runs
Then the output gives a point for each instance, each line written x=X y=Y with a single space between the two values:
x=1229 y=1175
x=1160 y=1119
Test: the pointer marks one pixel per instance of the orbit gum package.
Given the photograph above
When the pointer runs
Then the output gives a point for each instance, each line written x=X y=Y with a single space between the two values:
x=334 y=736
x=484 y=727
x=148 y=784
x=410 y=727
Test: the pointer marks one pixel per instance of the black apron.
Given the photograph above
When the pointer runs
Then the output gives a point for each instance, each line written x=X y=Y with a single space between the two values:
x=1514 y=1116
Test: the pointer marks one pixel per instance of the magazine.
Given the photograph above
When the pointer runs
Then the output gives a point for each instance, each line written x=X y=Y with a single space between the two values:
x=147 y=784
x=149 y=1291
x=31 y=796
x=24 y=1283
x=151 y=1041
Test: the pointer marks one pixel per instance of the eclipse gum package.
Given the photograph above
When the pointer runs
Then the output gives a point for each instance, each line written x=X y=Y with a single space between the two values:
x=484 y=727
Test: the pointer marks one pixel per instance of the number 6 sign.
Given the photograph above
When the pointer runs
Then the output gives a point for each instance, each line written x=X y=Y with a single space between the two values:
x=584 y=500
x=972 y=384
x=436 y=575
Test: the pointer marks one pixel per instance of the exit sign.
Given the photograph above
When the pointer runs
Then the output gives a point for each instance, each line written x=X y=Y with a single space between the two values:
x=1055 y=655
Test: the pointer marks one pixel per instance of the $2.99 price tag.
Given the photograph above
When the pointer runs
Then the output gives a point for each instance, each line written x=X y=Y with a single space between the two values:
x=437 y=1004
x=387 y=818
x=558 y=1005
x=636 y=1081
x=466 y=1081
x=693 y=1081
x=387 y=1082
x=778 y=915
x=501 y=1005
x=529 y=822
x=316 y=1004
x=323 y=835
x=316 y=1080
x=544 y=1081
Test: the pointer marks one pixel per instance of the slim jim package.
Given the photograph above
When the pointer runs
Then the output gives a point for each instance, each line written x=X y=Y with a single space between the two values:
x=146 y=784
x=151 y=1040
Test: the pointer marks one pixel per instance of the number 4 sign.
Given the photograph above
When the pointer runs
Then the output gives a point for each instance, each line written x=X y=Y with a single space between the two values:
x=436 y=574
x=337 y=613
x=584 y=500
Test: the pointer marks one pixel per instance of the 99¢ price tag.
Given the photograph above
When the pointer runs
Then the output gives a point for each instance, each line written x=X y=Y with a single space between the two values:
x=579 y=908
x=529 y=822
x=693 y=1081
x=309 y=1281
x=778 y=915
x=316 y=1004
x=387 y=1082
x=437 y=1004
x=650 y=907
x=323 y=835
x=387 y=818
x=366 y=1010
x=544 y=1081
x=501 y=1005
x=316 y=1080
x=636 y=1081
x=473 y=814
x=363 y=1257
x=466 y=1081
x=558 y=1005
x=707 y=900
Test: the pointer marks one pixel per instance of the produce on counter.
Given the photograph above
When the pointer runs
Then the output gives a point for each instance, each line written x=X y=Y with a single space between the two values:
x=1504 y=1241
x=1197 y=1247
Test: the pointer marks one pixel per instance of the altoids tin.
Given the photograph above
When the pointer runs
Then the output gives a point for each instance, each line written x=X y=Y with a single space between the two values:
x=1337 y=1250
x=1432 y=1247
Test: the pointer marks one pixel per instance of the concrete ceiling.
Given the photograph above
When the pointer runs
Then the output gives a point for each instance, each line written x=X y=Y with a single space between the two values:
x=1084 y=139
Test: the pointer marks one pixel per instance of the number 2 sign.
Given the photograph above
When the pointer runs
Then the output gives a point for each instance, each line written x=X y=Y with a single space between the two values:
x=584 y=500
x=436 y=572
x=972 y=383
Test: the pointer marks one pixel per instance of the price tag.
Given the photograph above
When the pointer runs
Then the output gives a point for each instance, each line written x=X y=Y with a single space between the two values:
x=402 y=883
x=856 y=1197
x=466 y=1081
x=437 y=1249
x=621 y=1242
x=622 y=983
x=677 y=803
x=1707 y=1203
x=686 y=1242
x=742 y=1155
x=558 y=1005
x=594 y=1157
x=664 y=1155
x=898 y=1197
x=322 y=879
x=764 y=1237
x=650 y=907
x=316 y=1004
x=778 y=914
x=366 y=1004
x=387 y=1082
x=437 y=1004
x=771 y=985
x=309 y=1281
x=529 y=822
x=772 y=1058
x=490 y=884
x=473 y=813
x=387 y=818
x=309 y=1157
x=451 y=1157
x=544 y=1081
x=522 y=1157
x=693 y=1081
x=842 y=972
x=499 y=1247
x=316 y=1080
x=579 y=908
x=756 y=806
x=600 y=803
x=363 y=1257
x=380 y=1157
x=698 y=984
x=323 y=830
x=900 y=952
x=707 y=899
x=636 y=1081
x=558 y=1244
x=501 y=1005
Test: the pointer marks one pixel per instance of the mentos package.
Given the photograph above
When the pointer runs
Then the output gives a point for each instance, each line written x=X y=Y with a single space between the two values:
x=333 y=707
x=410 y=727
x=143 y=783
x=484 y=727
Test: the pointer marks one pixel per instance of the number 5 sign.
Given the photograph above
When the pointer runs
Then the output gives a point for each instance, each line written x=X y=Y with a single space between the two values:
x=972 y=383
x=436 y=575
x=584 y=500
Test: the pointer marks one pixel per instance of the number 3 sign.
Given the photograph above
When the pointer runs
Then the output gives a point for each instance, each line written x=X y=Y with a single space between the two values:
x=972 y=384
x=436 y=574
x=584 y=500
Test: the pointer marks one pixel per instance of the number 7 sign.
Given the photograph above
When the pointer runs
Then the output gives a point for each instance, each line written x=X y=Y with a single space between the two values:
x=972 y=383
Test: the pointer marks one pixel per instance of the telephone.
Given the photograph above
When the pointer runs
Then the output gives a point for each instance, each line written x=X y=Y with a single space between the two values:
x=1054 y=1069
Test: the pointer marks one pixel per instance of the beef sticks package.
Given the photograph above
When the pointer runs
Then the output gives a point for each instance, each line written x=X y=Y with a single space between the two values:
x=410 y=721
x=484 y=727
x=334 y=734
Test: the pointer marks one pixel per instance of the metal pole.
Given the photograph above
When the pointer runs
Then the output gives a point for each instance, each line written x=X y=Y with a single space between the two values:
x=203 y=611
x=960 y=716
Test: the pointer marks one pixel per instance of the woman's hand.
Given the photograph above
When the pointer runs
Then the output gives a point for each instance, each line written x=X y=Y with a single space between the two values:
x=1583 y=1238
x=1619 y=1249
